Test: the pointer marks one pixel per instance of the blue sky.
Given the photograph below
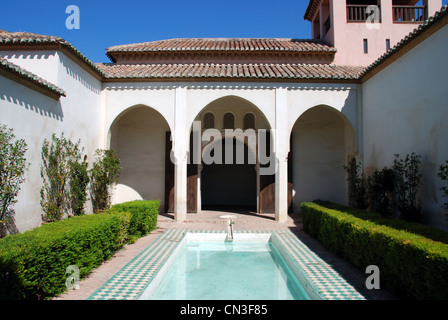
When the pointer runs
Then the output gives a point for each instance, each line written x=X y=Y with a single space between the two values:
x=105 y=23
x=108 y=23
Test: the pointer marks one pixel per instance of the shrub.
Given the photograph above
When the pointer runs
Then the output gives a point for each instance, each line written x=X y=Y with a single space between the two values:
x=357 y=186
x=443 y=175
x=399 y=224
x=104 y=173
x=33 y=264
x=12 y=170
x=143 y=216
x=63 y=178
x=410 y=264
x=79 y=179
x=381 y=191
x=408 y=178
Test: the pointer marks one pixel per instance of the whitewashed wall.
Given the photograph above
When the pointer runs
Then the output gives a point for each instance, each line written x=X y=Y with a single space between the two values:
x=405 y=109
x=35 y=117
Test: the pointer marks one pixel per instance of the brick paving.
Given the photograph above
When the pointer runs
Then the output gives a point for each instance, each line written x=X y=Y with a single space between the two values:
x=210 y=220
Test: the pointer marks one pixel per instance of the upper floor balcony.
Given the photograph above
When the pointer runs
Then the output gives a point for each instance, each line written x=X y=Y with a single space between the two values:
x=362 y=12
x=409 y=14
x=403 y=11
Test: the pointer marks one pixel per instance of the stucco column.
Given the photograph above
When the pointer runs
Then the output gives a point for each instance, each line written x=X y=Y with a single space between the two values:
x=281 y=143
x=180 y=189
x=180 y=148
x=281 y=189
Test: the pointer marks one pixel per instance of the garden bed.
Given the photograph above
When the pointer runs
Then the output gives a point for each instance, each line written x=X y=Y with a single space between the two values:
x=33 y=264
x=411 y=262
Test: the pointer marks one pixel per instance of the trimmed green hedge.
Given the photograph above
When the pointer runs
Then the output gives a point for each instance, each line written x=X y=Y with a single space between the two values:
x=410 y=264
x=33 y=264
x=143 y=215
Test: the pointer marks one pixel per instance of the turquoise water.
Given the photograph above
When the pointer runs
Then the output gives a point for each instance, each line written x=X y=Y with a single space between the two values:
x=217 y=270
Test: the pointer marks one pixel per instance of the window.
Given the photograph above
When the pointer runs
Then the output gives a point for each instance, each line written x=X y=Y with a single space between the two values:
x=366 y=46
x=249 y=121
x=209 y=121
x=387 y=44
x=229 y=121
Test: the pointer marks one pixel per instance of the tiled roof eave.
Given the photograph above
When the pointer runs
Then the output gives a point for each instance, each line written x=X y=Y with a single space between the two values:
x=30 y=41
x=222 y=72
x=311 y=9
x=224 y=44
x=15 y=71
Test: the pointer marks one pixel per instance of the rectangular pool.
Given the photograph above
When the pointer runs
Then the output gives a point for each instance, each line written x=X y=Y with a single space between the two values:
x=206 y=267
x=185 y=263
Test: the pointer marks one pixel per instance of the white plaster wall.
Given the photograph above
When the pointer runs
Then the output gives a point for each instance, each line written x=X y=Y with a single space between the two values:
x=35 y=117
x=341 y=97
x=32 y=116
x=139 y=139
x=119 y=97
x=405 y=110
x=319 y=152
x=42 y=63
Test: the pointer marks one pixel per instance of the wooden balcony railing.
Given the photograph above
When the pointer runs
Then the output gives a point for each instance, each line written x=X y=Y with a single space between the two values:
x=359 y=13
x=407 y=14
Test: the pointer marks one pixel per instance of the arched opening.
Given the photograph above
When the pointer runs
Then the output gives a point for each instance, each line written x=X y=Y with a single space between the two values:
x=249 y=121
x=138 y=135
x=322 y=140
x=209 y=121
x=229 y=186
x=235 y=186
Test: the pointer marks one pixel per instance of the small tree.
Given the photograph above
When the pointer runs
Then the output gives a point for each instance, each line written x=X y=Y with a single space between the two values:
x=443 y=175
x=357 y=185
x=408 y=179
x=381 y=191
x=59 y=174
x=79 y=179
x=104 y=173
x=12 y=173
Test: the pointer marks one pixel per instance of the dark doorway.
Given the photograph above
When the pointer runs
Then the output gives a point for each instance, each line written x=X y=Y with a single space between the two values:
x=229 y=186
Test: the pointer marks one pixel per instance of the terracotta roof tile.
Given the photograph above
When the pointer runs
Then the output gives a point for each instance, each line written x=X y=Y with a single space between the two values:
x=216 y=49
x=226 y=44
x=311 y=9
x=28 y=76
x=28 y=38
x=216 y=71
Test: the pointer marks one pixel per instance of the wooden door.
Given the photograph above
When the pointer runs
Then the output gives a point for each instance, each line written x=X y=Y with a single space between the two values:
x=192 y=182
x=169 y=175
x=290 y=177
x=267 y=185
x=192 y=179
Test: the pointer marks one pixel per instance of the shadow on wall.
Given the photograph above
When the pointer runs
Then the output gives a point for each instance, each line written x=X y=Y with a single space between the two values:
x=322 y=139
x=50 y=108
x=138 y=136
x=79 y=75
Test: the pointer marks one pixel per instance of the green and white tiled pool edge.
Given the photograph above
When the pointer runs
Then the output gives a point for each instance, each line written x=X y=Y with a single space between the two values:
x=132 y=280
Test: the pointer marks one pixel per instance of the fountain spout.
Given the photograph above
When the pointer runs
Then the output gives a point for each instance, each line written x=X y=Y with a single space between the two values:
x=230 y=224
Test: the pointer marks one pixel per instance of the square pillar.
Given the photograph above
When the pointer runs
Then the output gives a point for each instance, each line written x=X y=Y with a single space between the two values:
x=281 y=143
x=281 y=190
x=181 y=143
x=180 y=189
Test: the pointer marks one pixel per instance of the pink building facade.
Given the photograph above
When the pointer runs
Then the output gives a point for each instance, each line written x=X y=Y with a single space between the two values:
x=363 y=30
